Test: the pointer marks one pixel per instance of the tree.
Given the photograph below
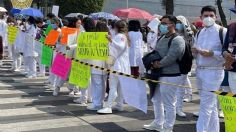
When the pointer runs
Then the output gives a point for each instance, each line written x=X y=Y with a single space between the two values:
x=79 y=6
x=221 y=12
x=169 y=6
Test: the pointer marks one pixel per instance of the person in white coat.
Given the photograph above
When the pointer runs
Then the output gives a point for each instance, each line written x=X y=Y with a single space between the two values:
x=3 y=36
x=119 y=61
x=152 y=35
x=135 y=38
x=184 y=29
x=98 y=78
x=29 y=52
x=210 y=71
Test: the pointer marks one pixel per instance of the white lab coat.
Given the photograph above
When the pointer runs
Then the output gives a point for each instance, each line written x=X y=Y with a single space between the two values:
x=136 y=48
x=3 y=32
x=30 y=42
x=151 y=41
x=120 y=51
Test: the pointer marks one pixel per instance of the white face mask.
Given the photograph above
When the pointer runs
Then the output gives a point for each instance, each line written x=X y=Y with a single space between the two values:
x=208 y=21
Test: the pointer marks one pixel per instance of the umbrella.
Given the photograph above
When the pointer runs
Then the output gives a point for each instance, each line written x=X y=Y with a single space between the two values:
x=233 y=10
x=32 y=12
x=133 y=13
x=2 y=9
x=15 y=11
x=75 y=15
x=104 y=15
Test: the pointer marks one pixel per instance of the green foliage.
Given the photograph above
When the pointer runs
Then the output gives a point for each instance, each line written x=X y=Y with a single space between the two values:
x=79 y=6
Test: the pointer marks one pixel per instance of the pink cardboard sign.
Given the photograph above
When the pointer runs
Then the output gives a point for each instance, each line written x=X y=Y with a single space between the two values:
x=61 y=66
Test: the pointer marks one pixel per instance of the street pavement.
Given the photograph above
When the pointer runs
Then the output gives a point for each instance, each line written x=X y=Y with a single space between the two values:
x=27 y=105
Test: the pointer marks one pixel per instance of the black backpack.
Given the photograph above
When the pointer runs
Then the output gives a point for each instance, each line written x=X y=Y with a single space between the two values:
x=186 y=62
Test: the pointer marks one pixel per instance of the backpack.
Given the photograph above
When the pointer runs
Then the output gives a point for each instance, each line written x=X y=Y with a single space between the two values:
x=186 y=62
x=220 y=35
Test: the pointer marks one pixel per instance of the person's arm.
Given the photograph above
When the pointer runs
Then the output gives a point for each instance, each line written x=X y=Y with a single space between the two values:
x=176 y=50
x=226 y=44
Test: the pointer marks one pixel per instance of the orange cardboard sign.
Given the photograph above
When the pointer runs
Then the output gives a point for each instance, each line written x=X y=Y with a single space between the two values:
x=52 y=37
x=65 y=32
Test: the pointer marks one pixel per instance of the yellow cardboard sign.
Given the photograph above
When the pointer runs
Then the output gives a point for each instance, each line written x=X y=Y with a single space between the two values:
x=228 y=105
x=12 y=33
x=92 y=46
x=80 y=75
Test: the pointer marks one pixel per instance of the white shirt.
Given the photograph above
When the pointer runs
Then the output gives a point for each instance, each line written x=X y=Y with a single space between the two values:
x=29 y=47
x=136 y=48
x=208 y=39
x=3 y=32
x=151 y=41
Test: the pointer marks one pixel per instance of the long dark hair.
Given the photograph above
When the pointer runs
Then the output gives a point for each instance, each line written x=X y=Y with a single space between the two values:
x=101 y=27
x=134 y=25
x=89 y=24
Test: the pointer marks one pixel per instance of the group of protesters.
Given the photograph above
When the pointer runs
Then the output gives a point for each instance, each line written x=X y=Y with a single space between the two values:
x=213 y=47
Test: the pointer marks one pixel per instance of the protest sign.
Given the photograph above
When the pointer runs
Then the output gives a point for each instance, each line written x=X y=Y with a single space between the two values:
x=42 y=40
x=228 y=105
x=55 y=10
x=65 y=32
x=92 y=45
x=52 y=38
x=49 y=28
x=80 y=75
x=47 y=55
x=12 y=33
x=72 y=39
x=61 y=66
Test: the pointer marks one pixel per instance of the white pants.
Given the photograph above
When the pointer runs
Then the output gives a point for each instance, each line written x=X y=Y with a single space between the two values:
x=208 y=80
x=17 y=60
x=41 y=67
x=164 y=99
x=32 y=65
x=232 y=81
x=181 y=91
x=115 y=92
x=98 y=89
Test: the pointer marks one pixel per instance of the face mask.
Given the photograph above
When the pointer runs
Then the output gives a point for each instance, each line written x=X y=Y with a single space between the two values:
x=179 y=27
x=163 y=29
x=48 y=22
x=54 y=26
x=208 y=21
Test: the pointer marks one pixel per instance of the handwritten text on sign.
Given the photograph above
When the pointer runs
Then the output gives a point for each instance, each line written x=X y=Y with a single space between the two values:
x=61 y=66
x=228 y=105
x=12 y=33
x=92 y=45
x=80 y=75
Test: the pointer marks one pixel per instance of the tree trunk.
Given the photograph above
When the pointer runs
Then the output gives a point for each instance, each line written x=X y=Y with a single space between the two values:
x=169 y=7
x=221 y=12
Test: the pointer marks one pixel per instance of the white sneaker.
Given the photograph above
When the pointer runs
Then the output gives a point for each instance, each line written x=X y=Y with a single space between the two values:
x=80 y=101
x=41 y=75
x=188 y=99
x=153 y=127
x=92 y=107
x=16 y=70
x=118 y=108
x=56 y=91
x=196 y=114
x=221 y=114
x=72 y=94
x=180 y=113
x=105 y=110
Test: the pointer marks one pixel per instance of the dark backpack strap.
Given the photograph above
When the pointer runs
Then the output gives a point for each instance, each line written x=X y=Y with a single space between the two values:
x=198 y=33
x=221 y=35
x=171 y=39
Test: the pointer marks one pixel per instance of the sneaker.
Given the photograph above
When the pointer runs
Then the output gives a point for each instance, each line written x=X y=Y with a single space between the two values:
x=105 y=110
x=80 y=101
x=17 y=70
x=56 y=91
x=180 y=113
x=92 y=107
x=153 y=127
x=167 y=130
x=118 y=108
x=221 y=114
x=72 y=94
x=41 y=75
x=189 y=99
x=196 y=114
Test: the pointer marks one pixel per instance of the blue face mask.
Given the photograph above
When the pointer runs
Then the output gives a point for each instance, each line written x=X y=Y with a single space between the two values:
x=48 y=22
x=179 y=26
x=54 y=26
x=163 y=29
